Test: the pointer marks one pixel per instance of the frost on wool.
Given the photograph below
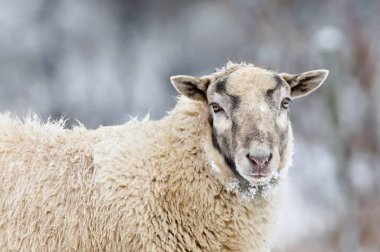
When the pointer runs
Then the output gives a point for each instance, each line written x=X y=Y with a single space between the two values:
x=246 y=191
x=215 y=168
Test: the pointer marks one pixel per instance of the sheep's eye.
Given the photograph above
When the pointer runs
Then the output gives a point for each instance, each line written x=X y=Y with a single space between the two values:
x=216 y=107
x=285 y=103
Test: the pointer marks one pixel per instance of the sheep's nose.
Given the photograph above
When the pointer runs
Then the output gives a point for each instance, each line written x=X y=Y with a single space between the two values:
x=260 y=161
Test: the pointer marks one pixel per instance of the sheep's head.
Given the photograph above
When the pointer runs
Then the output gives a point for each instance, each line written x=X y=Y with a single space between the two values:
x=251 y=134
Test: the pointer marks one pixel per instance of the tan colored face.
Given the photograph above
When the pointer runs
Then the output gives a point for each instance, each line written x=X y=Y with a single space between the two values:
x=249 y=116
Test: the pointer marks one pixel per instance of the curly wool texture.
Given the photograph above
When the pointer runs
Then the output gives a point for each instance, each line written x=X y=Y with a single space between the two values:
x=142 y=186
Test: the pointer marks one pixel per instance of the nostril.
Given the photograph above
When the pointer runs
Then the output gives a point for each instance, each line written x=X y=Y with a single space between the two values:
x=259 y=160
x=269 y=158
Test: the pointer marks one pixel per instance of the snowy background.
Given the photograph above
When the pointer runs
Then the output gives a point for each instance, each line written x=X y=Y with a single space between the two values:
x=101 y=61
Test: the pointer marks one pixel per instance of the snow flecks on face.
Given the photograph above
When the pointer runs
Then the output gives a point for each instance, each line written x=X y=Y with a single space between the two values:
x=267 y=191
x=233 y=185
x=249 y=194
x=214 y=167
x=246 y=192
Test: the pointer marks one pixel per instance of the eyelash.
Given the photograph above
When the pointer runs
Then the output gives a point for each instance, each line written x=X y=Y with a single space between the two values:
x=285 y=103
x=216 y=107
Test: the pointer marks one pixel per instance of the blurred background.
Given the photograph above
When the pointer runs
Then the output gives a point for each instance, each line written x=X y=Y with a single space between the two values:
x=101 y=61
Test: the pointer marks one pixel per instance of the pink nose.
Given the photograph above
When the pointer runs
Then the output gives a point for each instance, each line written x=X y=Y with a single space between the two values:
x=260 y=161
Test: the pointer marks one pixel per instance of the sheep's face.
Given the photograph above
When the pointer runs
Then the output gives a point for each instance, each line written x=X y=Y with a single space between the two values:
x=249 y=116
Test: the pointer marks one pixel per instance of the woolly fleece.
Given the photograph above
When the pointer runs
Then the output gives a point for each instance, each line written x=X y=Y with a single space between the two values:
x=141 y=186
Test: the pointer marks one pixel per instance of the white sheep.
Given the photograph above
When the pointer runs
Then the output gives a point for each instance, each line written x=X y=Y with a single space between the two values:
x=196 y=180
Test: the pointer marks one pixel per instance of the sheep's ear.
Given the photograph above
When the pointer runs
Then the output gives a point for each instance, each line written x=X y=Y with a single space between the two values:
x=304 y=83
x=191 y=87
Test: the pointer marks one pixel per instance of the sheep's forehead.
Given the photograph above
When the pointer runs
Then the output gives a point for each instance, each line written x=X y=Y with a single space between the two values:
x=250 y=80
x=251 y=84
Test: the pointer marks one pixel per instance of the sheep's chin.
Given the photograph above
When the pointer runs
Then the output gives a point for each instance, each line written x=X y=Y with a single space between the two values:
x=247 y=190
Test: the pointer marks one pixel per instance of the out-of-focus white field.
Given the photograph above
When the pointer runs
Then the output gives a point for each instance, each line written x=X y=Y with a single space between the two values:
x=101 y=61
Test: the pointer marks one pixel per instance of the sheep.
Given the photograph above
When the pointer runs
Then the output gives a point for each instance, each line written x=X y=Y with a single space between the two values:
x=196 y=180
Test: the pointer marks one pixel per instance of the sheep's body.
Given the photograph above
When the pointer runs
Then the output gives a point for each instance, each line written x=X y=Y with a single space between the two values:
x=150 y=186
x=142 y=186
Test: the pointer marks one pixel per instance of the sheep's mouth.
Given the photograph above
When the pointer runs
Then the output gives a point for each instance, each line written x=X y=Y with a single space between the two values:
x=259 y=176
x=257 y=179
x=262 y=179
